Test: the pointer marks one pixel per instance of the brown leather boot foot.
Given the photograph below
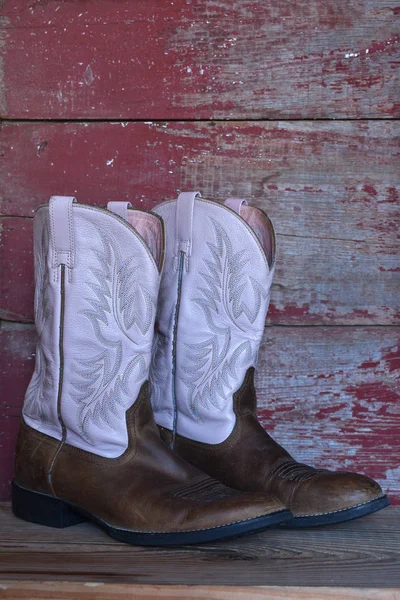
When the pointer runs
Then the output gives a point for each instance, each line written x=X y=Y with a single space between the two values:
x=147 y=496
x=249 y=459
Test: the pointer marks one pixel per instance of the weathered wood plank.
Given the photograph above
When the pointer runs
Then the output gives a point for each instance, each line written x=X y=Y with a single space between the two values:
x=17 y=362
x=363 y=553
x=229 y=59
x=330 y=188
x=16 y=366
x=62 y=590
x=330 y=395
x=8 y=436
x=16 y=264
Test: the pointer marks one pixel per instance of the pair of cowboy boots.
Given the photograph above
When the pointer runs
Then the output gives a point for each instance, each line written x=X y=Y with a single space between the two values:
x=89 y=446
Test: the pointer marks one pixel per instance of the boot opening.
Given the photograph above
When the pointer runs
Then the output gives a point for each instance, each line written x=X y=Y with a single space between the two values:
x=150 y=228
x=263 y=228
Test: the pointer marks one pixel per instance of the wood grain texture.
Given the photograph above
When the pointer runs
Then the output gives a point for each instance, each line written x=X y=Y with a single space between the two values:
x=362 y=553
x=331 y=189
x=16 y=263
x=60 y=590
x=225 y=59
x=330 y=395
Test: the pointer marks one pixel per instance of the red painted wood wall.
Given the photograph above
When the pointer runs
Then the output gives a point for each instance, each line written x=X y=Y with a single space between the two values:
x=292 y=104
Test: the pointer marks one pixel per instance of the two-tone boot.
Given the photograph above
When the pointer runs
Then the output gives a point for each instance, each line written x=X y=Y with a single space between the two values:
x=213 y=303
x=88 y=446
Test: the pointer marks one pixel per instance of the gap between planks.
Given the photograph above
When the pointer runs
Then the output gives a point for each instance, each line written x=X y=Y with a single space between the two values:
x=200 y=121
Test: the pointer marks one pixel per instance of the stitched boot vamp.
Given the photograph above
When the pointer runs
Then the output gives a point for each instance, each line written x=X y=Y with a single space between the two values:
x=310 y=491
x=250 y=459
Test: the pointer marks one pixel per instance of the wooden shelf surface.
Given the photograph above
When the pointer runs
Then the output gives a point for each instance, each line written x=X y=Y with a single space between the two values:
x=17 y=590
x=359 y=559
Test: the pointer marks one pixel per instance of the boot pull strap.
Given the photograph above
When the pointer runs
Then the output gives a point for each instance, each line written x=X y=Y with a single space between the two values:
x=235 y=204
x=62 y=231
x=119 y=208
x=184 y=225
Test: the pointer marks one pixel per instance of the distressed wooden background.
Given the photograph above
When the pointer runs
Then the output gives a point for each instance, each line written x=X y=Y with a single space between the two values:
x=292 y=104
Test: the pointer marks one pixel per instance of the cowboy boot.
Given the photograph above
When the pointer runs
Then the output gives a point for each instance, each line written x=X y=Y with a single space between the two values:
x=88 y=446
x=213 y=303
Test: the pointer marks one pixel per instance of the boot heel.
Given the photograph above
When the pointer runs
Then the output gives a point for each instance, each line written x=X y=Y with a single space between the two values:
x=36 y=507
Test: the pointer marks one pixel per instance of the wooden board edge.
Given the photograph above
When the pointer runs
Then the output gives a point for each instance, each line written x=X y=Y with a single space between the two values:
x=63 y=590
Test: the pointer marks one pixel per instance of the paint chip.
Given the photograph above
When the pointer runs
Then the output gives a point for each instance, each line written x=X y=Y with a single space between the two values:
x=88 y=75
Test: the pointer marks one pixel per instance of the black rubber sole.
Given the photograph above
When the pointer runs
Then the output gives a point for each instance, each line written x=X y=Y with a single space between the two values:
x=39 y=508
x=340 y=516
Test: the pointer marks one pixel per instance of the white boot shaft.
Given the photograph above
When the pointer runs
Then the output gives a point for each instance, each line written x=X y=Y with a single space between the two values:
x=95 y=298
x=213 y=302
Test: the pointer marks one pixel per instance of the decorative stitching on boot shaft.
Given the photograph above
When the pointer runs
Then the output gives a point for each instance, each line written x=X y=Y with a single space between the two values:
x=116 y=302
x=222 y=284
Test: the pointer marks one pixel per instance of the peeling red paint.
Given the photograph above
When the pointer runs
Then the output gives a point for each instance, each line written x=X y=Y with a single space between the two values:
x=372 y=391
x=370 y=190
x=381 y=46
x=394 y=270
x=360 y=81
x=369 y=364
x=360 y=312
x=329 y=410
x=393 y=195
x=187 y=60
x=9 y=429
x=392 y=360
x=290 y=311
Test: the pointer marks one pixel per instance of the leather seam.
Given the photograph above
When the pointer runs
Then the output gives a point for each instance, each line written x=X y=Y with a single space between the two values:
x=201 y=529
x=128 y=455
x=71 y=252
x=235 y=434
x=60 y=384
x=209 y=448
x=53 y=243
x=332 y=512
x=294 y=489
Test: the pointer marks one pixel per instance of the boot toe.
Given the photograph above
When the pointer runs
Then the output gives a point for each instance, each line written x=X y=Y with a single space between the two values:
x=333 y=497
